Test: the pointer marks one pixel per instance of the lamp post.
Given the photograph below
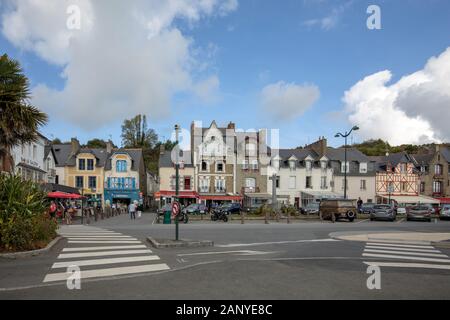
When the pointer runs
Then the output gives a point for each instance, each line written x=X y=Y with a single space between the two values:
x=177 y=186
x=345 y=135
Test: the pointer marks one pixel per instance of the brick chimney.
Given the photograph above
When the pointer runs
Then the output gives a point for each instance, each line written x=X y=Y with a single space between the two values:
x=231 y=125
x=75 y=146
x=320 y=146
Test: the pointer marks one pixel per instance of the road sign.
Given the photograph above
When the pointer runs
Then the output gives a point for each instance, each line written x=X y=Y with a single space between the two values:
x=175 y=209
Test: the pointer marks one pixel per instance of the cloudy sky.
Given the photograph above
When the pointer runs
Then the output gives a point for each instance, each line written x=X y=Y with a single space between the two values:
x=307 y=67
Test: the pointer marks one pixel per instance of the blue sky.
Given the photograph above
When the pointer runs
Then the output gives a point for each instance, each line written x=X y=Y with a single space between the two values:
x=254 y=45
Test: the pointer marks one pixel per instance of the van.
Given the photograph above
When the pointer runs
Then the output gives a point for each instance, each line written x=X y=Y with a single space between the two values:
x=333 y=209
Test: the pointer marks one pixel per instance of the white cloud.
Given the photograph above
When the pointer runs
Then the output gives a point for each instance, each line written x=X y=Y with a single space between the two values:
x=127 y=58
x=413 y=110
x=331 y=20
x=286 y=101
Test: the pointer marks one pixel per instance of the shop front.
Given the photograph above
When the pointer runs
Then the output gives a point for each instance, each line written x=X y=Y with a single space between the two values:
x=123 y=196
x=184 y=197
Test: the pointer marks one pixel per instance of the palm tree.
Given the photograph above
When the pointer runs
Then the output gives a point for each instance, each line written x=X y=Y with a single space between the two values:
x=19 y=121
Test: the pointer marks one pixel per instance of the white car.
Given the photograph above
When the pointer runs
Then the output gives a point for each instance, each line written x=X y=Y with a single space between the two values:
x=401 y=210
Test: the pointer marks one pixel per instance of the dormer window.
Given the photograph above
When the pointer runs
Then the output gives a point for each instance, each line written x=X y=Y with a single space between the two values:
x=204 y=166
x=308 y=165
x=292 y=164
x=276 y=163
x=323 y=164
x=345 y=167
x=363 y=167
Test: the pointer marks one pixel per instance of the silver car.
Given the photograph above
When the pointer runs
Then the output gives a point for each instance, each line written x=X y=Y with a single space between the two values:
x=445 y=212
x=382 y=212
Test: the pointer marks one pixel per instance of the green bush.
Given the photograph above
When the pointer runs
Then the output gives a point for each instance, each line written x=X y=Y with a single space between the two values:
x=24 y=221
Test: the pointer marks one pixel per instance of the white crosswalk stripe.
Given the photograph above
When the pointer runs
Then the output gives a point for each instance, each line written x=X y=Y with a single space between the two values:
x=102 y=253
x=424 y=255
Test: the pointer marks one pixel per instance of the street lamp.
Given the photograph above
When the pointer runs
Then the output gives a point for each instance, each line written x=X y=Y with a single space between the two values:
x=177 y=167
x=345 y=135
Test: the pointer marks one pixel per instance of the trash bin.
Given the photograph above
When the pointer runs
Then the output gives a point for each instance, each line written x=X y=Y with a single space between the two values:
x=167 y=216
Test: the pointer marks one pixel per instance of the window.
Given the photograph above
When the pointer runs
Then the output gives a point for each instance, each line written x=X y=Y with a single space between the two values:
x=323 y=182
x=79 y=182
x=308 y=182
x=323 y=165
x=250 y=150
x=292 y=182
x=81 y=164
x=277 y=182
x=204 y=166
x=345 y=167
x=255 y=164
x=403 y=186
x=292 y=164
x=403 y=167
x=220 y=185
x=308 y=165
x=92 y=182
x=121 y=166
x=363 y=167
x=422 y=169
x=390 y=187
x=422 y=187
x=172 y=183
x=181 y=165
x=363 y=185
x=250 y=183
x=245 y=165
x=187 y=183
x=34 y=152
x=219 y=167
x=437 y=186
x=438 y=169
x=276 y=164
x=90 y=164
x=204 y=185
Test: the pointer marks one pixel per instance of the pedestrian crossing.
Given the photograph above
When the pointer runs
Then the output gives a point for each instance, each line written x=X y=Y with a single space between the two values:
x=102 y=253
x=405 y=255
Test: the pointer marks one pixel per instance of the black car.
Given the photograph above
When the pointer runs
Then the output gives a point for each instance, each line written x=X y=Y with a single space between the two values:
x=230 y=208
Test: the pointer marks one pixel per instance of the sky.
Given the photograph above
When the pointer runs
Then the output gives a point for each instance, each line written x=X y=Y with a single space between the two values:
x=308 y=68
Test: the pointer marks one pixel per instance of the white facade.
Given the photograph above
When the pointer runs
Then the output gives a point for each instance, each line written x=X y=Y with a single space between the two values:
x=29 y=160
x=357 y=187
x=50 y=168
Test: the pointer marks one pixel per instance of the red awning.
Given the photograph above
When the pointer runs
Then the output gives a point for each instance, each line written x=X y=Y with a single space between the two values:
x=221 y=198
x=63 y=195
x=444 y=200
x=181 y=194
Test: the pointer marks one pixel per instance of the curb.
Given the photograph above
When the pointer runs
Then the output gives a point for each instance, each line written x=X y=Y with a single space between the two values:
x=185 y=243
x=32 y=253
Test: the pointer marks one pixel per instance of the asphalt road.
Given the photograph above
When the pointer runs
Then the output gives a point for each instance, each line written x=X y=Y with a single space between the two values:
x=250 y=261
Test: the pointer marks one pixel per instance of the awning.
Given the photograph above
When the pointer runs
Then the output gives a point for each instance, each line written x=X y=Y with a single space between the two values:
x=63 y=195
x=27 y=166
x=181 y=194
x=323 y=194
x=220 y=197
x=258 y=195
x=412 y=199
x=444 y=200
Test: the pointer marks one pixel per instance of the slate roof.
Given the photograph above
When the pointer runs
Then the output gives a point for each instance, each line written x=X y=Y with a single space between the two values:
x=353 y=154
x=165 y=160
x=135 y=154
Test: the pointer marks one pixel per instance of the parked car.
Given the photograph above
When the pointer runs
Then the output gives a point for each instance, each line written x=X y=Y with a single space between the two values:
x=382 y=212
x=367 y=208
x=420 y=212
x=445 y=212
x=400 y=210
x=335 y=209
x=312 y=208
x=229 y=208
x=164 y=208
x=196 y=208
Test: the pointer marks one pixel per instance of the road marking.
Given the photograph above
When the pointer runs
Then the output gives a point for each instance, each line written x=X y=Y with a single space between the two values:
x=406 y=253
x=95 y=262
x=138 y=246
x=362 y=221
x=231 y=245
x=101 y=253
x=108 y=272
x=404 y=257
x=401 y=220
x=95 y=237
x=390 y=244
x=403 y=249
x=240 y=252
x=103 y=241
x=89 y=232
x=408 y=265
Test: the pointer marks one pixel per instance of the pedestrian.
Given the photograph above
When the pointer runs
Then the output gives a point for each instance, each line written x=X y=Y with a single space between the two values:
x=53 y=209
x=132 y=210
x=359 y=204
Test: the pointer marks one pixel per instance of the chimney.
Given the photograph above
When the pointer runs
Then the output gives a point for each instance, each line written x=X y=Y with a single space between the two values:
x=109 y=146
x=75 y=146
x=231 y=125
x=320 y=146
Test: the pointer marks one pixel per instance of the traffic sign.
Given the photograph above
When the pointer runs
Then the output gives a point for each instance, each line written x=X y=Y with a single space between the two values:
x=175 y=208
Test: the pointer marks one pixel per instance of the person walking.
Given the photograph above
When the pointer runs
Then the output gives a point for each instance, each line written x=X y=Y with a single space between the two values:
x=359 y=204
x=132 y=210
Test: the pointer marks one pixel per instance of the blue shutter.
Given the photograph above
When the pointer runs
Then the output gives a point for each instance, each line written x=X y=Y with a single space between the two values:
x=134 y=182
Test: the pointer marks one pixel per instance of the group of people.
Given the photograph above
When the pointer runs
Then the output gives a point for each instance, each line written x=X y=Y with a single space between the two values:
x=134 y=207
x=63 y=209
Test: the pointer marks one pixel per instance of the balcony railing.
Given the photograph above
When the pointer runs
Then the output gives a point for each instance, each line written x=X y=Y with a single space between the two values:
x=250 y=189
x=221 y=190
x=204 y=189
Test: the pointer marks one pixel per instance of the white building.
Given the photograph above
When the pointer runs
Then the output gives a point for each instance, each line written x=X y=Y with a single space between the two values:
x=29 y=160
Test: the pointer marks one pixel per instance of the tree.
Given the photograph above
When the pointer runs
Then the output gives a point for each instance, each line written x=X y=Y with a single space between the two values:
x=56 y=141
x=19 y=121
x=96 y=144
x=136 y=134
